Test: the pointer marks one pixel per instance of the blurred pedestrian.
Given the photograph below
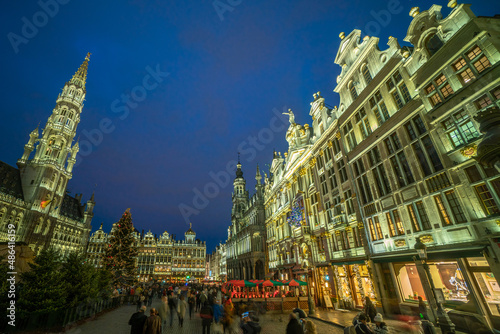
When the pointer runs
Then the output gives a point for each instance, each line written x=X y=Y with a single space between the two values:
x=181 y=310
x=152 y=324
x=369 y=310
x=380 y=325
x=293 y=326
x=137 y=321
x=310 y=328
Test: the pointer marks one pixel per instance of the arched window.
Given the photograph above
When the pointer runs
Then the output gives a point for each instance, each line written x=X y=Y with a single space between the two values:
x=433 y=44
x=366 y=74
x=63 y=112
x=352 y=90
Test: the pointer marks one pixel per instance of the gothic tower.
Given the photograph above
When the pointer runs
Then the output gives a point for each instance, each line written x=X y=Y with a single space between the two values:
x=45 y=176
x=240 y=194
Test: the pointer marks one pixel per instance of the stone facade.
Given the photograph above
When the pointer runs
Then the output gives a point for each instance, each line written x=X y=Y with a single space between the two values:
x=33 y=197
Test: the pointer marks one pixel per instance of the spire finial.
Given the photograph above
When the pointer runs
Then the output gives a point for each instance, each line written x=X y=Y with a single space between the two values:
x=80 y=76
x=238 y=157
x=190 y=225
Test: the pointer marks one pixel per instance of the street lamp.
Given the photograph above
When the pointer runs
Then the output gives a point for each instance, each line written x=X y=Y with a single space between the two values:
x=444 y=321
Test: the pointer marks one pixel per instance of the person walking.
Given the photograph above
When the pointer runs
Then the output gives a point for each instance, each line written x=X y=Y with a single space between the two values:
x=360 y=325
x=293 y=326
x=380 y=325
x=206 y=315
x=152 y=324
x=181 y=310
x=191 y=304
x=137 y=321
x=163 y=311
x=140 y=301
x=310 y=328
x=172 y=306
x=370 y=311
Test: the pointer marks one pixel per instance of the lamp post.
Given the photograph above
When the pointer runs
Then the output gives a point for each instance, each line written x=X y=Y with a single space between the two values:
x=310 y=302
x=444 y=321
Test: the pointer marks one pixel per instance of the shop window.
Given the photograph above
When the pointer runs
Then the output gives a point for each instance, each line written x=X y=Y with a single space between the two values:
x=490 y=290
x=460 y=129
x=446 y=276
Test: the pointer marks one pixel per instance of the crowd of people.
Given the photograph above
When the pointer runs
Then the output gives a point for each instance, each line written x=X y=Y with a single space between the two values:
x=179 y=301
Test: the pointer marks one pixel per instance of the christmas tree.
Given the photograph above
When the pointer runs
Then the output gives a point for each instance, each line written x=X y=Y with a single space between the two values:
x=43 y=287
x=121 y=252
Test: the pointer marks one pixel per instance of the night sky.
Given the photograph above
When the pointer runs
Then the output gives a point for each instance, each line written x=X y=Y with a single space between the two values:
x=218 y=75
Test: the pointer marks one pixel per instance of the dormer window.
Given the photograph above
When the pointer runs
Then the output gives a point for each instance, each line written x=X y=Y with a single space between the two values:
x=433 y=44
x=366 y=74
x=352 y=90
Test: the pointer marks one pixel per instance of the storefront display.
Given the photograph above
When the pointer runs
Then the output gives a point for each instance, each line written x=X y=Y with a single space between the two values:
x=446 y=275
x=487 y=283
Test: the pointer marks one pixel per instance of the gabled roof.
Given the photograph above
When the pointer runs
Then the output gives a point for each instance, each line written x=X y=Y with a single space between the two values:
x=71 y=208
x=10 y=181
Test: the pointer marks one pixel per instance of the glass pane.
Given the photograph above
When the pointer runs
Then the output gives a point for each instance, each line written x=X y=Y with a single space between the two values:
x=490 y=291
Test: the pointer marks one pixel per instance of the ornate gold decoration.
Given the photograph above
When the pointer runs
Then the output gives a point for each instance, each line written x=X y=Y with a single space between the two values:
x=348 y=229
x=312 y=162
x=320 y=153
x=330 y=144
x=361 y=225
x=302 y=172
x=469 y=150
x=337 y=232
x=306 y=126
x=400 y=243
x=414 y=11
x=302 y=132
x=426 y=238
x=342 y=35
x=452 y=3
x=338 y=135
x=288 y=186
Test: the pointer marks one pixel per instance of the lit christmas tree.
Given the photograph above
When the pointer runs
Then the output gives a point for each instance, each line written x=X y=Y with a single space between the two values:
x=121 y=252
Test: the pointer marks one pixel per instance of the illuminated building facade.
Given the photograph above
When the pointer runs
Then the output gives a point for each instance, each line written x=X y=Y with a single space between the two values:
x=393 y=164
x=34 y=197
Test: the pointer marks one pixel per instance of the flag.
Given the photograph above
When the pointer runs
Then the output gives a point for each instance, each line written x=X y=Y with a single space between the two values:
x=45 y=203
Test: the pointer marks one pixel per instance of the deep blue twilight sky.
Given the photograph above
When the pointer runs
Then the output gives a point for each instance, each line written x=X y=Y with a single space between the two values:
x=227 y=72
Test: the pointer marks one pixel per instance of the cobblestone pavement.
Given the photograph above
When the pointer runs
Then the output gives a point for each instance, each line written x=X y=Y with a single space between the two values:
x=116 y=322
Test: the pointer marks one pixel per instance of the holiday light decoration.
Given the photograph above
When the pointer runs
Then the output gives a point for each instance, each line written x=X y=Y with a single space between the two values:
x=121 y=253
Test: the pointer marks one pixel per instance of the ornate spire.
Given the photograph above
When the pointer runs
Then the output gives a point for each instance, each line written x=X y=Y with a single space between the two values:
x=80 y=76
